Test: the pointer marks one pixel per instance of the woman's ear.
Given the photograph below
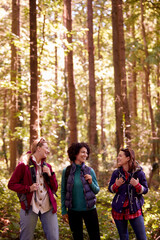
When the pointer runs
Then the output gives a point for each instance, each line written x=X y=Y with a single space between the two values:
x=38 y=148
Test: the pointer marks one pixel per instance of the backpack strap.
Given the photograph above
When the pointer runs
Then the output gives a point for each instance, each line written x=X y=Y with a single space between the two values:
x=22 y=196
x=47 y=179
x=67 y=172
x=33 y=175
x=33 y=171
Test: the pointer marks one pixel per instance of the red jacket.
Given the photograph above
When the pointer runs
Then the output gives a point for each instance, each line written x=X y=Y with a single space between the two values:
x=21 y=180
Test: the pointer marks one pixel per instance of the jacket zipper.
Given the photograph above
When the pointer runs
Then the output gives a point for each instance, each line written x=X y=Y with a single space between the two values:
x=117 y=198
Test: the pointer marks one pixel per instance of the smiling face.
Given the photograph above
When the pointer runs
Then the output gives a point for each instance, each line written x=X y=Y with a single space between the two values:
x=81 y=156
x=43 y=150
x=122 y=160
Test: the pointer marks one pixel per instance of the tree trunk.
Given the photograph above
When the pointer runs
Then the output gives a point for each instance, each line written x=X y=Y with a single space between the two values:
x=158 y=98
x=56 y=77
x=4 y=124
x=20 y=124
x=121 y=45
x=39 y=75
x=34 y=101
x=117 y=77
x=102 y=141
x=56 y=53
x=133 y=81
x=14 y=76
x=147 y=85
x=20 y=109
x=93 y=138
x=62 y=134
x=70 y=78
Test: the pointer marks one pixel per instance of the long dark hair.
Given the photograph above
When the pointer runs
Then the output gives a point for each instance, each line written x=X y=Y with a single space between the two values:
x=132 y=163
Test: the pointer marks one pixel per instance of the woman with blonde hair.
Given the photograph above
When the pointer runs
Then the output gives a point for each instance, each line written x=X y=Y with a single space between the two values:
x=36 y=184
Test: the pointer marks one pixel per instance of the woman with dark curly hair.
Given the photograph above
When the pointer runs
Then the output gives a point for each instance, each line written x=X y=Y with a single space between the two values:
x=128 y=182
x=78 y=188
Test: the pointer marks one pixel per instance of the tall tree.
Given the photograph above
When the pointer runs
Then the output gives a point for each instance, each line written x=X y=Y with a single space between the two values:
x=147 y=82
x=93 y=138
x=117 y=77
x=121 y=100
x=34 y=101
x=20 y=122
x=4 y=146
x=121 y=45
x=99 y=46
x=70 y=77
x=158 y=95
x=14 y=75
x=132 y=74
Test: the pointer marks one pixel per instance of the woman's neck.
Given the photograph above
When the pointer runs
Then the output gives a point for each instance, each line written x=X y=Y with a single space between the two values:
x=38 y=159
x=125 y=167
x=78 y=162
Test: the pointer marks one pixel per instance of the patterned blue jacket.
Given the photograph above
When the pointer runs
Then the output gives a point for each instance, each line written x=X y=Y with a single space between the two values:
x=127 y=190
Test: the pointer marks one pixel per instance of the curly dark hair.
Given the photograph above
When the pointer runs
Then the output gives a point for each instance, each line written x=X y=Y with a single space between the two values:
x=74 y=149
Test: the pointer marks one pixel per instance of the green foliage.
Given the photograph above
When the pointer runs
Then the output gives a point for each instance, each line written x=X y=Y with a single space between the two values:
x=54 y=114
x=9 y=212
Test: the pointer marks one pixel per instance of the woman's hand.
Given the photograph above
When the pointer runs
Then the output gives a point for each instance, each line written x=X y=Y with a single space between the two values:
x=65 y=218
x=134 y=181
x=119 y=181
x=46 y=169
x=88 y=178
x=34 y=187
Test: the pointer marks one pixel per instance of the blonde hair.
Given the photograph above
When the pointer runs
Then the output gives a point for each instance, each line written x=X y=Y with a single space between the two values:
x=37 y=142
x=26 y=156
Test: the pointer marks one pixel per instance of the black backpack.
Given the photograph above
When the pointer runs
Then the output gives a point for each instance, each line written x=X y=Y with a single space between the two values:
x=22 y=196
x=67 y=172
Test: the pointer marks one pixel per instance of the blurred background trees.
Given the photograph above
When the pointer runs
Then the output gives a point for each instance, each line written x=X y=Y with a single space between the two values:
x=80 y=70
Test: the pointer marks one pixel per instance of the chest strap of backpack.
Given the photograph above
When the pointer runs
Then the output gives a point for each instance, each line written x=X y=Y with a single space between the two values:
x=33 y=175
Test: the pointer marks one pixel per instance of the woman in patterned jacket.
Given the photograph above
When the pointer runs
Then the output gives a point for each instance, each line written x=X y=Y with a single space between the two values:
x=128 y=182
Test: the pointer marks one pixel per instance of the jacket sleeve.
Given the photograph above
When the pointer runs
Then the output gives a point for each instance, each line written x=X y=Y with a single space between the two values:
x=53 y=180
x=94 y=185
x=143 y=182
x=16 y=181
x=112 y=181
x=63 y=193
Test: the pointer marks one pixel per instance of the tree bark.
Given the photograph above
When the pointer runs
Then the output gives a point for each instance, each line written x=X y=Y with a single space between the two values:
x=20 y=107
x=93 y=138
x=70 y=77
x=147 y=84
x=14 y=76
x=117 y=77
x=34 y=101
x=133 y=81
x=102 y=138
x=158 y=99
x=4 y=124
x=127 y=122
